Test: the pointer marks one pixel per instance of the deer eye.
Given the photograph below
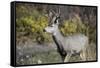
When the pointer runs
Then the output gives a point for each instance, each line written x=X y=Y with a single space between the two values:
x=50 y=25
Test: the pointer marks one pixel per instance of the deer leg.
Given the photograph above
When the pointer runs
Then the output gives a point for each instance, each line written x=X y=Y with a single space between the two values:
x=62 y=57
x=67 y=57
x=83 y=55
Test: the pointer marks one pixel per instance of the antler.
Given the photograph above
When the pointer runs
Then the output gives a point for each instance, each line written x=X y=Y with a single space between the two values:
x=59 y=11
x=52 y=16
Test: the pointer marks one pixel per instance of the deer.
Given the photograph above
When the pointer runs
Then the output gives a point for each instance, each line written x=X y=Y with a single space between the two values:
x=69 y=45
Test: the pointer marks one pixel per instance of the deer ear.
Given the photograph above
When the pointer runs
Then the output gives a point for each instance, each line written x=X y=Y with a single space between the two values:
x=53 y=12
x=50 y=14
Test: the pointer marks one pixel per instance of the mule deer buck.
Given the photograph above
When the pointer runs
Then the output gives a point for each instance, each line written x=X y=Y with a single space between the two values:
x=66 y=46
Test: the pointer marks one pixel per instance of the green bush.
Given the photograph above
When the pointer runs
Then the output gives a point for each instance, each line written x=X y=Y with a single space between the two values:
x=73 y=26
x=32 y=24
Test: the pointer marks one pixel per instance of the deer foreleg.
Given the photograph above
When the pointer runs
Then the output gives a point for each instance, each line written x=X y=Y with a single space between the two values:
x=67 y=57
x=83 y=55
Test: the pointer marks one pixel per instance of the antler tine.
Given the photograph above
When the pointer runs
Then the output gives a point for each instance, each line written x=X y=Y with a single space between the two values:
x=59 y=10
x=50 y=15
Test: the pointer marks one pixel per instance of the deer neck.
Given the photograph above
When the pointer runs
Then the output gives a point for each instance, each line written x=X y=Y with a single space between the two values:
x=58 y=38
x=58 y=35
x=59 y=41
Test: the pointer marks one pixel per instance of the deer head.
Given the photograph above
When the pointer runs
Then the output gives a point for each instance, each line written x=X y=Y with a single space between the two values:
x=53 y=22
